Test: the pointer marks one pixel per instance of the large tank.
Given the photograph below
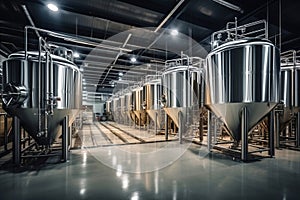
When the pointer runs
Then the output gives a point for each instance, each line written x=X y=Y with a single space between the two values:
x=242 y=73
x=128 y=105
x=116 y=111
x=22 y=95
x=290 y=85
x=181 y=88
x=151 y=99
x=137 y=106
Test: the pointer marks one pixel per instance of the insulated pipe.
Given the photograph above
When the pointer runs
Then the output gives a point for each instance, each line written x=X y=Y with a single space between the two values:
x=244 y=132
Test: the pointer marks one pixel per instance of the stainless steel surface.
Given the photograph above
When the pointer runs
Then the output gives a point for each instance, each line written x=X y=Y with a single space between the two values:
x=181 y=88
x=290 y=85
x=152 y=94
x=137 y=105
x=116 y=108
x=66 y=85
x=242 y=73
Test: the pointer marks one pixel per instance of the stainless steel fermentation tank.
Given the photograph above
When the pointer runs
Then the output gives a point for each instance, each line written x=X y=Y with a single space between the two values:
x=57 y=96
x=151 y=100
x=116 y=109
x=181 y=89
x=242 y=81
x=137 y=106
x=289 y=95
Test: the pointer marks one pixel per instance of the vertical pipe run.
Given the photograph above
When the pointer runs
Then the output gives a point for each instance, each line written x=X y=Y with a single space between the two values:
x=297 y=130
x=209 y=131
x=271 y=133
x=17 y=141
x=244 y=131
x=65 y=133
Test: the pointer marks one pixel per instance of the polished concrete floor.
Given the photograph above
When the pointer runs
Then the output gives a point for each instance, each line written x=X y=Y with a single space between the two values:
x=194 y=175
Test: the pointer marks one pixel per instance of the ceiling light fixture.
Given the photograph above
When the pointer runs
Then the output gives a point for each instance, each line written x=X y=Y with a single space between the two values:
x=76 y=55
x=229 y=5
x=174 y=32
x=133 y=59
x=120 y=74
x=52 y=7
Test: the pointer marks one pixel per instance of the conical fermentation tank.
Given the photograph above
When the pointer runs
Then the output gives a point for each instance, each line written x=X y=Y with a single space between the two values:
x=41 y=103
x=242 y=74
x=116 y=105
x=181 y=88
x=137 y=105
x=290 y=85
x=152 y=94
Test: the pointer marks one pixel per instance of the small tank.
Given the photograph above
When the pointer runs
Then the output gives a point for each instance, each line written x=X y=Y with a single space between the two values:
x=137 y=106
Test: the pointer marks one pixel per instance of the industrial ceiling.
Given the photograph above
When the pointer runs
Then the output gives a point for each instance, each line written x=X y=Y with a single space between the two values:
x=111 y=32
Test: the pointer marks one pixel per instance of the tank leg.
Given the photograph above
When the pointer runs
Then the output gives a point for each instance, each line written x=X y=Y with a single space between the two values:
x=201 y=126
x=166 y=126
x=271 y=134
x=5 y=132
x=209 y=131
x=156 y=116
x=180 y=126
x=65 y=133
x=244 y=131
x=277 y=131
x=17 y=142
x=297 y=130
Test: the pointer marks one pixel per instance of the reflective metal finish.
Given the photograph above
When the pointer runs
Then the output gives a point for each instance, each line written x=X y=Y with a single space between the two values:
x=290 y=85
x=137 y=105
x=66 y=86
x=152 y=94
x=242 y=73
x=181 y=89
x=116 y=105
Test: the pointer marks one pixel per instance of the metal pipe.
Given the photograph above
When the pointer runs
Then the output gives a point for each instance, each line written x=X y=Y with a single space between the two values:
x=169 y=15
x=30 y=19
x=17 y=141
x=271 y=133
x=244 y=132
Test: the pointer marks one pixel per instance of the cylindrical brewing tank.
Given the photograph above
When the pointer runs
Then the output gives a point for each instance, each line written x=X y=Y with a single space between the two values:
x=137 y=107
x=290 y=85
x=22 y=77
x=108 y=106
x=128 y=105
x=181 y=90
x=116 y=109
x=242 y=73
x=151 y=99
x=123 y=114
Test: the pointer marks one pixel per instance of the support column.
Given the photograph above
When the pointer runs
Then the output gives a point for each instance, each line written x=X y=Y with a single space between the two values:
x=156 y=118
x=65 y=133
x=17 y=141
x=244 y=132
x=201 y=125
x=271 y=134
x=297 y=130
x=166 y=126
x=209 y=130
x=180 y=126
